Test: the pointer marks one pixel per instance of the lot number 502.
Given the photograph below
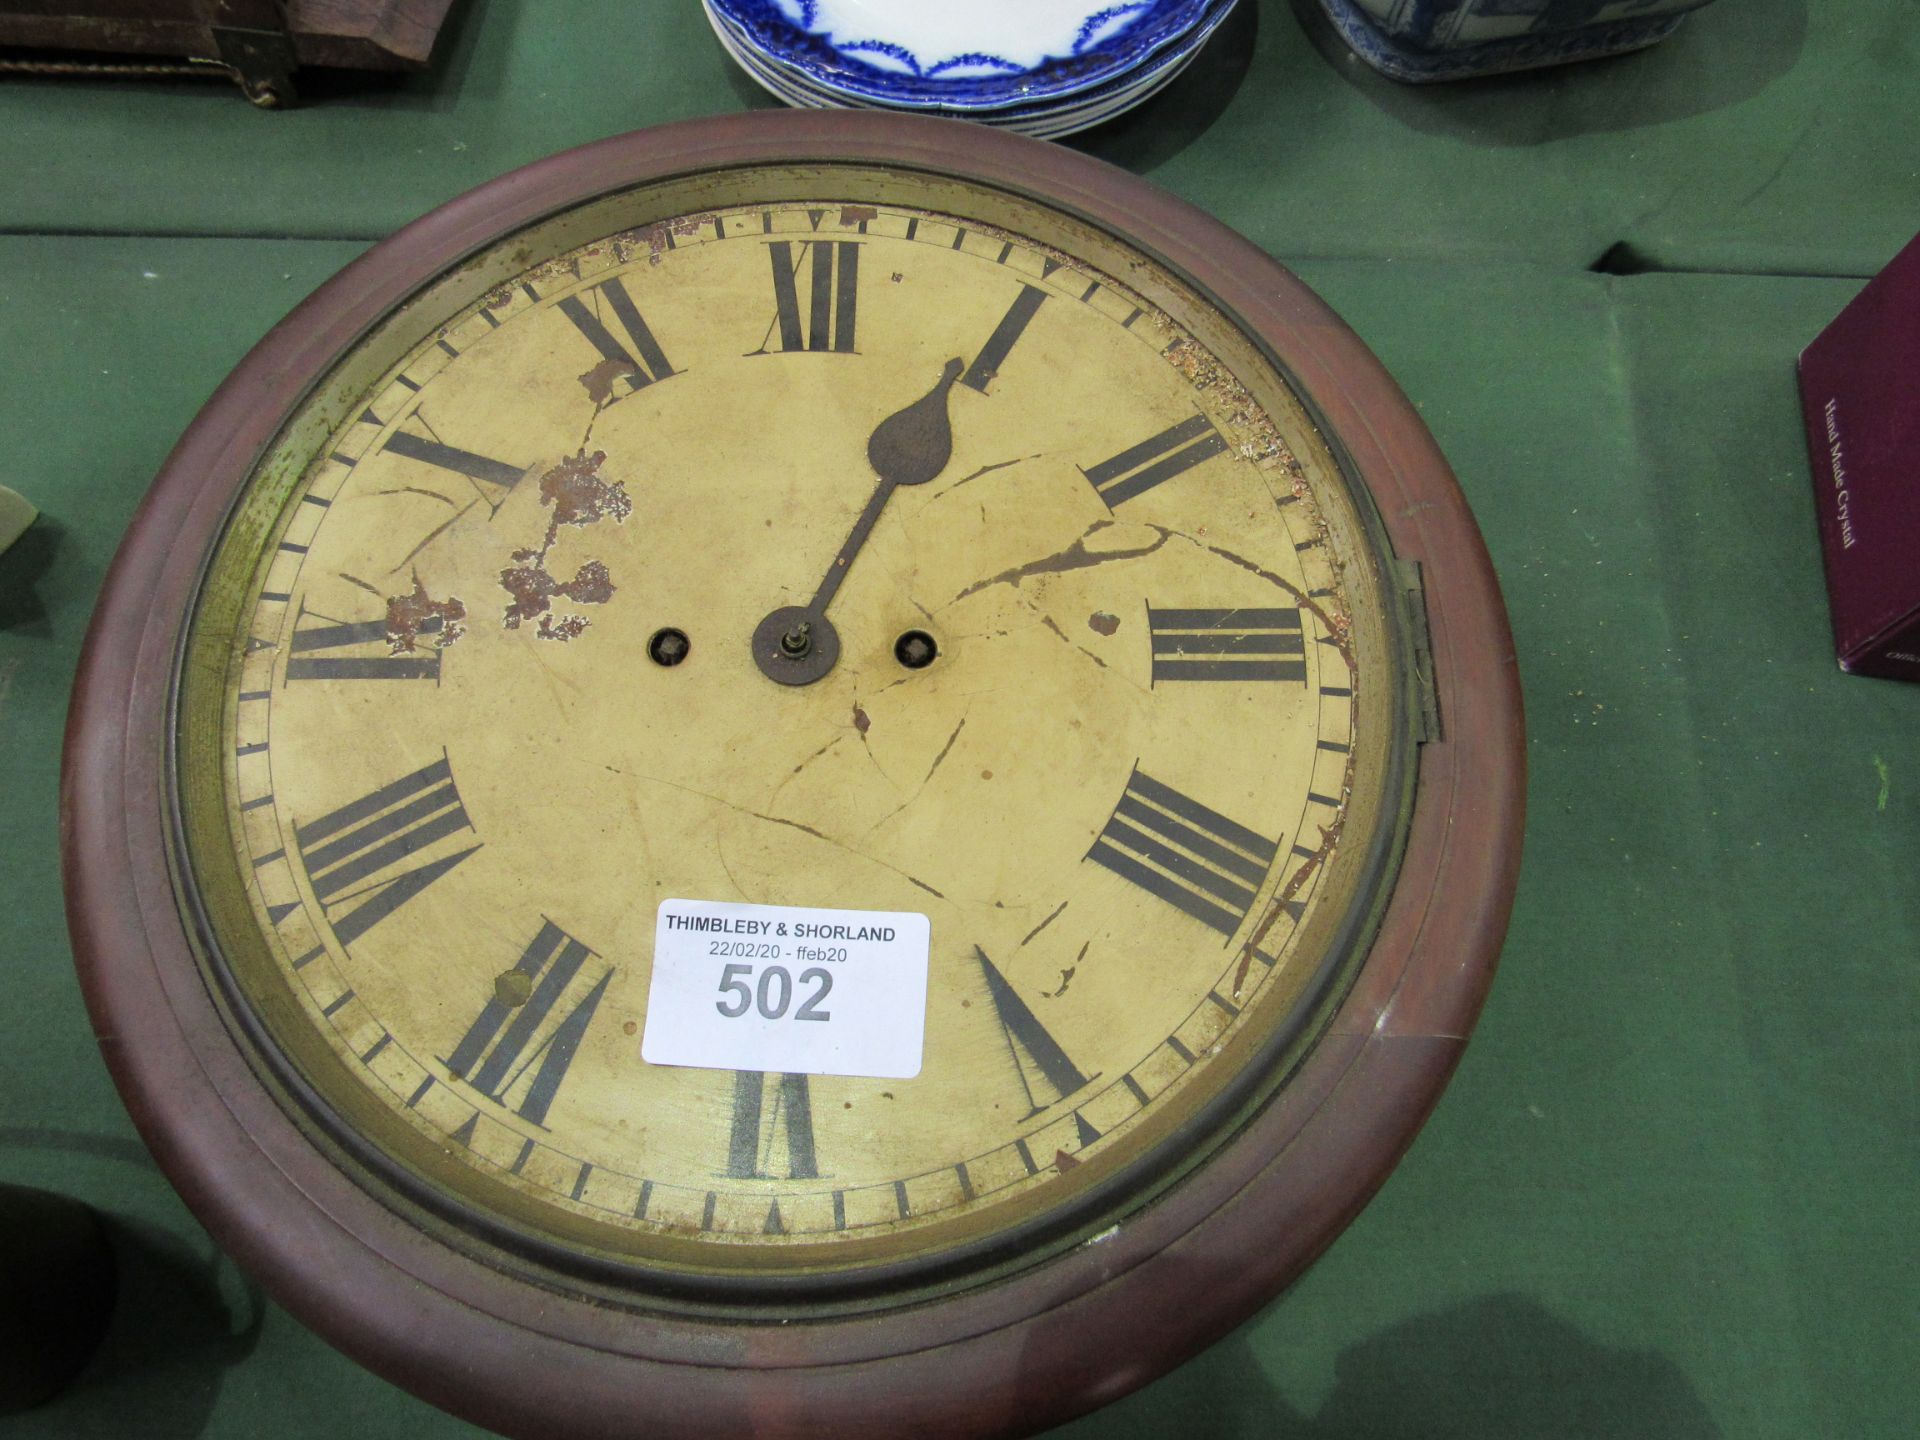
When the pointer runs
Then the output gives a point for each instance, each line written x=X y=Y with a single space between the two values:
x=773 y=994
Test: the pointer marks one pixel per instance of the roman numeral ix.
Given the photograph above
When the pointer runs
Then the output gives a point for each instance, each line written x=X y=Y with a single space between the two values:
x=1139 y=468
x=826 y=321
x=351 y=853
x=1244 y=644
x=356 y=650
x=1176 y=849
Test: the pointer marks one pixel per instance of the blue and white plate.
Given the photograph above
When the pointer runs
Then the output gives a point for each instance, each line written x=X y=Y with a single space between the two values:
x=960 y=56
x=1051 y=123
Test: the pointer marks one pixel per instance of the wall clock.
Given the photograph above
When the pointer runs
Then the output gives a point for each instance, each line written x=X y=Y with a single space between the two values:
x=793 y=772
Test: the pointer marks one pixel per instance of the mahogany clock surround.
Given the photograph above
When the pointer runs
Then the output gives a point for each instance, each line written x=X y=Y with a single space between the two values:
x=405 y=1291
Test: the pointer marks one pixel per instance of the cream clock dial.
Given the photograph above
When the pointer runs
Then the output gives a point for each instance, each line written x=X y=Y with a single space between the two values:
x=1011 y=642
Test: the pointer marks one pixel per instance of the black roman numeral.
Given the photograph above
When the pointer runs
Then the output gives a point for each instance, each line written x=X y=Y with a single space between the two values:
x=640 y=361
x=1174 y=451
x=766 y=1109
x=1029 y=1044
x=350 y=854
x=833 y=295
x=1244 y=644
x=482 y=470
x=1195 y=859
x=356 y=650
x=994 y=353
x=512 y=1054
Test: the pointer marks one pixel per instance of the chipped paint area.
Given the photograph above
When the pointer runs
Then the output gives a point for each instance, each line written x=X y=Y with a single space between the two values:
x=533 y=589
x=656 y=239
x=578 y=497
x=598 y=382
x=1260 y=439
x=413 y=615
x=1102 y=622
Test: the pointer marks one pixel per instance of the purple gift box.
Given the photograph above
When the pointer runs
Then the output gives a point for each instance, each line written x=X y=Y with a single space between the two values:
x=1860 y=385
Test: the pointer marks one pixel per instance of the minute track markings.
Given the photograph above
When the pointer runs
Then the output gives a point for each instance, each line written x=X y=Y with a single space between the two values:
x=925 y=1197
x=740 y=1203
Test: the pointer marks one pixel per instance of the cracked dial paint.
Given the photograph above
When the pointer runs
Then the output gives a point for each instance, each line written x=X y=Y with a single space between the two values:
x=1138 y=793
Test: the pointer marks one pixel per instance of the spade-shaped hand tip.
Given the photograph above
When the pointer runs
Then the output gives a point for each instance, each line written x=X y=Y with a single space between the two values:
x=913 y=445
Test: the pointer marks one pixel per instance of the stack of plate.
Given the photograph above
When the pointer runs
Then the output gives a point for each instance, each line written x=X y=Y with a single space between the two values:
x=1038 y=67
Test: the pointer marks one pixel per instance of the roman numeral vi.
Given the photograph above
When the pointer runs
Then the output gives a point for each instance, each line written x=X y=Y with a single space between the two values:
x=764 y=1110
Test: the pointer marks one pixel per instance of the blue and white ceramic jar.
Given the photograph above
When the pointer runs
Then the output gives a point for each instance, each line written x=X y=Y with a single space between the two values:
x=1422 y=40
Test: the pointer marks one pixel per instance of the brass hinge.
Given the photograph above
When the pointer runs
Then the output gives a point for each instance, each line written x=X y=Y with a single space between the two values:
x=1426 y=693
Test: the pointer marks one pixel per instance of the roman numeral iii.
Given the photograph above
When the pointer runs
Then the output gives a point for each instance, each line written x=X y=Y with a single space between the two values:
x=1178 y=850
x=635 y=354
x=518 y=1050
x=1139 y=468
x=353 y=854
x=823 y=317
x=1244 y=644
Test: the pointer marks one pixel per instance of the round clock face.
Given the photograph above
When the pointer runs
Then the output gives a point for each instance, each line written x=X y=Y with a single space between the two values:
x=827 y=552
x=820 y=719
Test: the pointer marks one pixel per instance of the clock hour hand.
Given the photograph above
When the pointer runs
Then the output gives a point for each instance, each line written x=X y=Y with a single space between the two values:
x=797 y=644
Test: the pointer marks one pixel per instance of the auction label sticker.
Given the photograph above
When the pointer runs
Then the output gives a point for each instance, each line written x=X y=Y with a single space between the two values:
x=788 y=988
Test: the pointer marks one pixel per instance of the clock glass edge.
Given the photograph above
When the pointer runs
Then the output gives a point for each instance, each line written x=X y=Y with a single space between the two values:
x=256 y=515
